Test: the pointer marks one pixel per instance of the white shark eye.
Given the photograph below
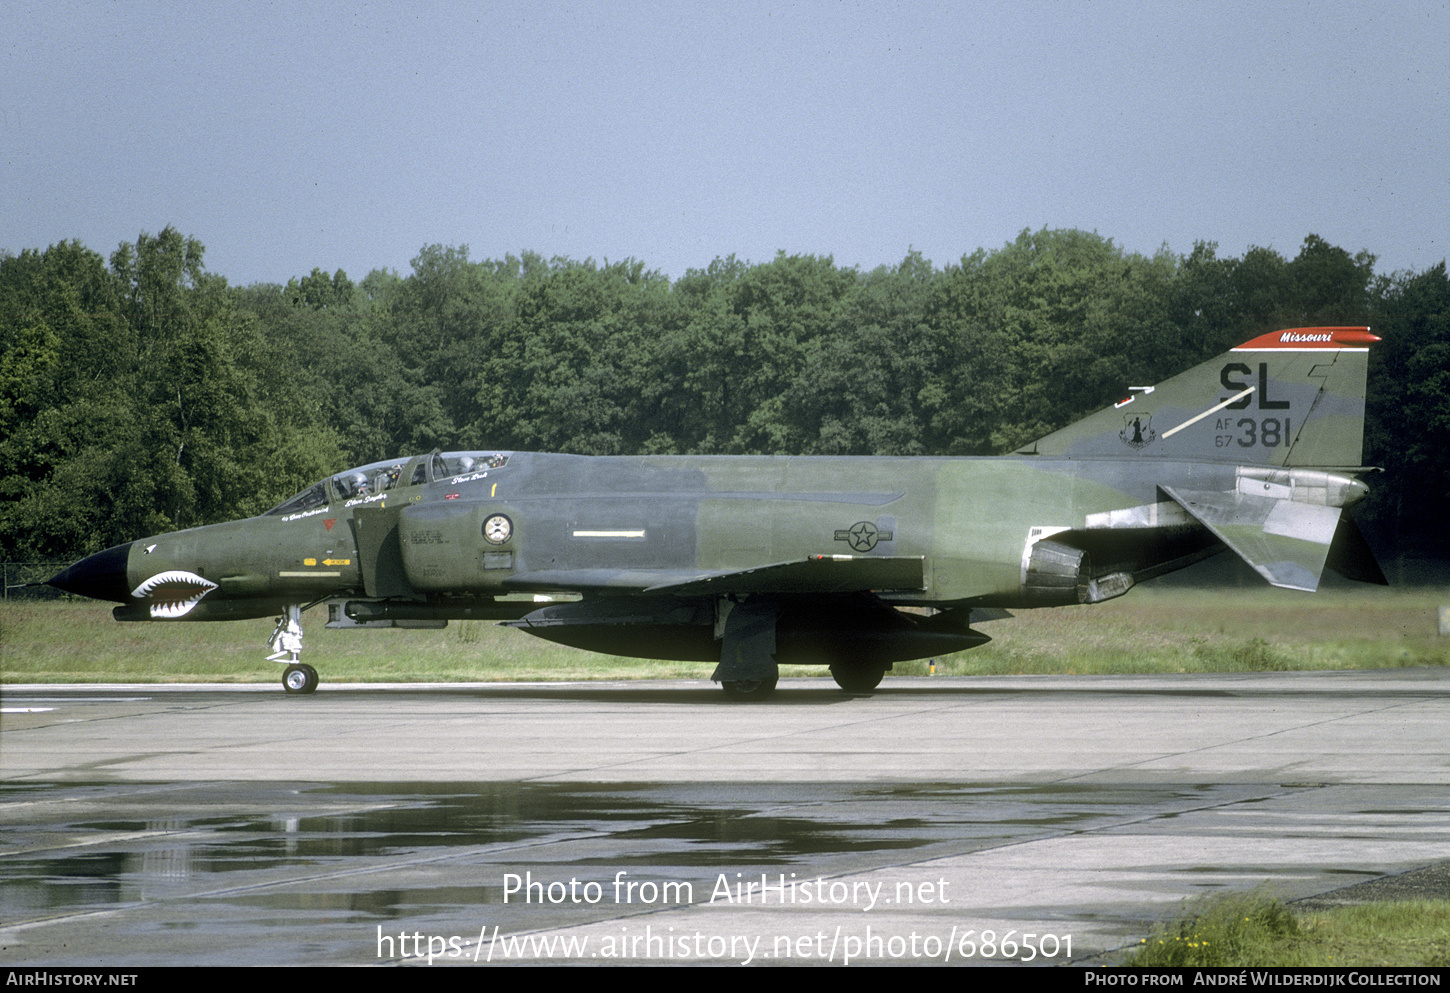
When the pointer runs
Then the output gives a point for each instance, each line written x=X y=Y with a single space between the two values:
x=173 y=593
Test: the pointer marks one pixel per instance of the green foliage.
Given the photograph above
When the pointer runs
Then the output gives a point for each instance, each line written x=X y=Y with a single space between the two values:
x=29 y=358
x=319 y=291
x=1407 y=424
x=138 y=399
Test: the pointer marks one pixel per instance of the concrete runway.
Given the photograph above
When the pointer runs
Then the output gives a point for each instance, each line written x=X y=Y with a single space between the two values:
x=169 y=825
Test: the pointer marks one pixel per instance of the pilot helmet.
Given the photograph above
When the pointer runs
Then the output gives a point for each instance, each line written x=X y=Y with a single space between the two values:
x=350 y=484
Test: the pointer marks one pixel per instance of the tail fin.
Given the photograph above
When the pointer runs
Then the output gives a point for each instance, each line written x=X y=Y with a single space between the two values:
x=1291 y=398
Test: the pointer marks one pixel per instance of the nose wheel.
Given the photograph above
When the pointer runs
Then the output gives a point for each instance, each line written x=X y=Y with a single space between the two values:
x=299 y=678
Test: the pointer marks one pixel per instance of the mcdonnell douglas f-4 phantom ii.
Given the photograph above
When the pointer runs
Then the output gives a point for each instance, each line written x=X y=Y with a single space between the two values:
x=751 y=561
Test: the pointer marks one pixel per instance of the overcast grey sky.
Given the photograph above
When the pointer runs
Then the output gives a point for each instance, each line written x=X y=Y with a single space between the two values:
x=348 y=135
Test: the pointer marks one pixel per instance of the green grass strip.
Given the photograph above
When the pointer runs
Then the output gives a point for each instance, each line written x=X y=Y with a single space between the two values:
x=1253 y=929
x=1148 y=631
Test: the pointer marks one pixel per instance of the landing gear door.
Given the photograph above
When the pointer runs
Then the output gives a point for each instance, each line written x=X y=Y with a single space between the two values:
x=379 y=554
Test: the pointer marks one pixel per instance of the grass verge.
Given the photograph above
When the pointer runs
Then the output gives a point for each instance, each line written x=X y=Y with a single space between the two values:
x=1147 y=631
x=1254 y=929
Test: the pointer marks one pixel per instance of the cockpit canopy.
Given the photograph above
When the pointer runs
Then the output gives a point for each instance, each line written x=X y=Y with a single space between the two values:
x=369 y=482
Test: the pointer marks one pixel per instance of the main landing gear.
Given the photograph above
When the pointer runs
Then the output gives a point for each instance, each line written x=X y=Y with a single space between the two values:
x=748 y=690
x=858 y=678
x=286 y=645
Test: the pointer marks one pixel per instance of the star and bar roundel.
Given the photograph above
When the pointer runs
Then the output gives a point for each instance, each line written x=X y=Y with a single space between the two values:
x=862 y=536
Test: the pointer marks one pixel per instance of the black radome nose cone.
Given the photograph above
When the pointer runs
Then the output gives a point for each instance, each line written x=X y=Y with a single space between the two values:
x=101 y=576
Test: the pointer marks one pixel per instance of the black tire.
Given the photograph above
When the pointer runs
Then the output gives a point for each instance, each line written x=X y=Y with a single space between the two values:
x=749 y=690
x=299 y=679
x=858 y=678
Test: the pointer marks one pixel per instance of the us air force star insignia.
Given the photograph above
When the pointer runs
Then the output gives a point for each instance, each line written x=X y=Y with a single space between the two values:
x=863 y=536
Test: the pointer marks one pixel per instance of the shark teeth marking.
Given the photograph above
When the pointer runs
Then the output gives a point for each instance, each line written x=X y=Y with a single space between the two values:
x=173 y=593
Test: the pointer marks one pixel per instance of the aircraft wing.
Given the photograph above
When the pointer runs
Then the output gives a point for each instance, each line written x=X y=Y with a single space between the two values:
x=1284 y=541
x=813 y=574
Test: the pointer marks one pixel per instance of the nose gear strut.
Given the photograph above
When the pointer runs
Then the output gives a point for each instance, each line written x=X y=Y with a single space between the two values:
x=286 y=645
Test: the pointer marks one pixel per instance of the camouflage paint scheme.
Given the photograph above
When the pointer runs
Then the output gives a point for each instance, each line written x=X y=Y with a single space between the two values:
x=750 y=561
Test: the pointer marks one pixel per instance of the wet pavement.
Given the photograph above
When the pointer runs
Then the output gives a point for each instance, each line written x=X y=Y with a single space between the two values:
x=99 y=867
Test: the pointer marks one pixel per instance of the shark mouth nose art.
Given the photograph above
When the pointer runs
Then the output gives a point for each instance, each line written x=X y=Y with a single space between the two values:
x=173 y=593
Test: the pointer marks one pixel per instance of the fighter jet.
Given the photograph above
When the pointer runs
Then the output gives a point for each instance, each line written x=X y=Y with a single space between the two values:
x=854 y=563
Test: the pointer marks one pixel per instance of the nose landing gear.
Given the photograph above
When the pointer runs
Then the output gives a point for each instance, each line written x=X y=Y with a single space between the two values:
x=286 y=645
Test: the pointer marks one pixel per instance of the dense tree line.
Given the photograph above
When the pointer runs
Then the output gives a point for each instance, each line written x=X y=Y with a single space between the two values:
x=142 y=393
